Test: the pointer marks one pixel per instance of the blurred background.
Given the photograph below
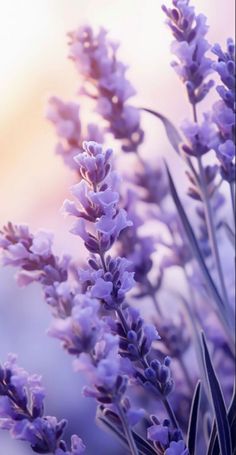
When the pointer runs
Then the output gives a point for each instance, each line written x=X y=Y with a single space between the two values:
x=34 y=182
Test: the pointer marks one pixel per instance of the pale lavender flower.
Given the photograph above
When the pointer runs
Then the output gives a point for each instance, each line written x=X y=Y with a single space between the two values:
x=190 y=47
x=224 y=110
x=95 y=57
x=201 y=137
x=80 y=331
x=65 y=116
x=34 y=256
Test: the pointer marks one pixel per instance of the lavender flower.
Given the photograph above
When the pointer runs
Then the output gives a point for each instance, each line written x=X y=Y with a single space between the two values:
x=224 y=110
x=190 y=47
x=66 y=119
x=95 y=58
x=165 y=438
x=22 y=412
x=33 y=255
x=201 y=138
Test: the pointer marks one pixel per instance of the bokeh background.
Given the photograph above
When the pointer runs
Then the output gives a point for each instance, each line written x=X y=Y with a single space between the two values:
x=34 y=182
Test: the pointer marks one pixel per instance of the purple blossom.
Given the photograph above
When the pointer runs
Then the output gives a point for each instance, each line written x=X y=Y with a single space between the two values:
x=66 y=119
x=190 y=47
x=80 y=331
x=34 y=256
x=22 y=411
x=177 y=448
x=225 y=67
x=98 y=200
x=224 y=110
x=95 y=57
x=163 y=435
x=201 y=137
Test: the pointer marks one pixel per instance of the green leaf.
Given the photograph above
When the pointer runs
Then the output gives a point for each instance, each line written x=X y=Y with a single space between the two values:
x=194 y=245
x=193 y=420
x=171 y=131
x=144 y=448
x=221 y=417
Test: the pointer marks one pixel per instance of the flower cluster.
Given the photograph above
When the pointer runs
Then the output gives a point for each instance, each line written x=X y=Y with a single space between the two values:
x=165 y=439
x=22 y=412
x=224 y=110
x=66 y=119
x=140 y=249
x=34 y=256
x=96 y=59
x=190 y=47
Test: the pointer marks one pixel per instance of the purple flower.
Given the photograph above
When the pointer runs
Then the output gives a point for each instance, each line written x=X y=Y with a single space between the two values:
x=98 y=202
x=177 y=448
x=80 y=331
x=95 y=57
x=22 y=410
x=190 y=47
x=201 y=137
x=66 y=118
x=34 y=256
x=158 y=433
x=225 y=67
x=77 y=447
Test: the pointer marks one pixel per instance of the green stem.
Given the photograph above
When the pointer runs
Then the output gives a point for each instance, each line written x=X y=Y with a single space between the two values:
x=170 y=412
x=127 y=430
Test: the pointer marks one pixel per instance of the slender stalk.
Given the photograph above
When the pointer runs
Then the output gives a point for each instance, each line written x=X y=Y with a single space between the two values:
x=211 y=231
x=170 y=412
x=156 y=305
x=210 y=223
x=232 y=195
x=127 y=430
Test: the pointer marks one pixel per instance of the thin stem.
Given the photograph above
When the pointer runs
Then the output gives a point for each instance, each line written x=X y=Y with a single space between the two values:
x=211 y=231
x=232 y=195
x=209 y=221
x=127 y=430
x=170 y=412
x=156 y=304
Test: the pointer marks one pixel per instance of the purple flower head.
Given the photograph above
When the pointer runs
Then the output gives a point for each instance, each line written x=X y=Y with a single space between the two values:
x=98 y=200
x=66 y=119
x=225 y=67
x=163 y=434
x=77 y=447
x=190 y=47
x=110 y=285
x=81 y=330
x=34 y=256
x=177 y=448
x=95 y=56
x=224 y=110
x=138 y=340
x=22 y=409
x=201 y=138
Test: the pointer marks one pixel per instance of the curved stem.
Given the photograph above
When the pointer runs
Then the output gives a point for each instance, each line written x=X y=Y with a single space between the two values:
x=127 y=430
